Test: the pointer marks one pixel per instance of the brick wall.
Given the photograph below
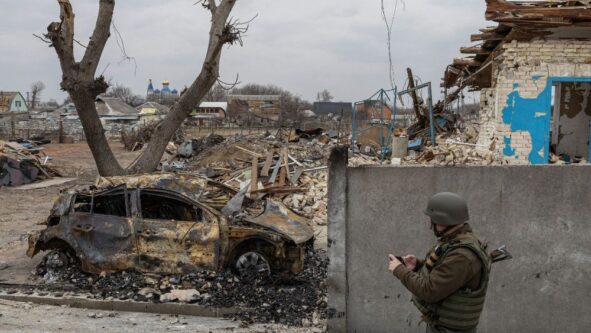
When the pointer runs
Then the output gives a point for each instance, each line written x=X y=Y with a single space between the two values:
x=25 y=126
x=523 y=72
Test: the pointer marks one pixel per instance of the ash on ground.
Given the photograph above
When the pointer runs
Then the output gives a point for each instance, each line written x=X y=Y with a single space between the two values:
x=296 y=300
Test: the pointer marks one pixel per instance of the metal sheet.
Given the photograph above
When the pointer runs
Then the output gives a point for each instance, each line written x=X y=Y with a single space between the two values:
x=279 y=218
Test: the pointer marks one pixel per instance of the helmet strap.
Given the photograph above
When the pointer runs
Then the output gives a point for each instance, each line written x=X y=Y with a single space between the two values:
x=447 y=231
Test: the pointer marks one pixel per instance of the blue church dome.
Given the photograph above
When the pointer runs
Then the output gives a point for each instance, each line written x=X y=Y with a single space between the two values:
x=175 y=92
x=150 y=87
x=157 y=91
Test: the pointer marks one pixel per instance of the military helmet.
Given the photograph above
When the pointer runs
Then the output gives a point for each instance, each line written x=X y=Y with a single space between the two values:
x=447 y=208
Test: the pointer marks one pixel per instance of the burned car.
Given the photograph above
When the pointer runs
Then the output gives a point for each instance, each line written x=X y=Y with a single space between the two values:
x=170 y=223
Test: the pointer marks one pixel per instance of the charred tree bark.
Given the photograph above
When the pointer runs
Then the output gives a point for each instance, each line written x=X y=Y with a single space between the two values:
x=82 y=86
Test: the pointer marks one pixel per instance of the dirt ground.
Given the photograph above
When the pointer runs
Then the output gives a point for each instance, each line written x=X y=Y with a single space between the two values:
x=20 y=213
x=21 y=210
x=31 y=318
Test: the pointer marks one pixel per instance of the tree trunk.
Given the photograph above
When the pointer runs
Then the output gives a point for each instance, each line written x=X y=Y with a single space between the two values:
x=150 y=158
x=95 y=134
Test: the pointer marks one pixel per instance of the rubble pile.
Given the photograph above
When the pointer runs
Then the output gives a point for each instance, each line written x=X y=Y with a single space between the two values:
x=293 y=170
x=23 y=162
x=298 y=300
x=137 y=137
x=455 y=148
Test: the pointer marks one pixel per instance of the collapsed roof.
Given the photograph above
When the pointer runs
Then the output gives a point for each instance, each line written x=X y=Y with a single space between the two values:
x=517 y=20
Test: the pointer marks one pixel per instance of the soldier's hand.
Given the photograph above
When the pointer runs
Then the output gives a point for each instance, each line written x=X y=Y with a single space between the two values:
x=393 y=263
x=410 y=261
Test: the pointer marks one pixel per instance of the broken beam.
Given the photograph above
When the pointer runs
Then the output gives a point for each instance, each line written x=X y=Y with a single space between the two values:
x=501 y=8
x=474 y=50
x=466 y=62
x=486 y=36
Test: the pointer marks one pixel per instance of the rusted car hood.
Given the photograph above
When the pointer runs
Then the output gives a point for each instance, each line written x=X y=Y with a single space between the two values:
x=279 y=218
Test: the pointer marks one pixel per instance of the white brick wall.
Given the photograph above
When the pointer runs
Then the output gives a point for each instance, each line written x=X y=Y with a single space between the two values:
x=520 y=64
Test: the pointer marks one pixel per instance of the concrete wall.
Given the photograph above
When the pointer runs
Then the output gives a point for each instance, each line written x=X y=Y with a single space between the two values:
x=541 y=213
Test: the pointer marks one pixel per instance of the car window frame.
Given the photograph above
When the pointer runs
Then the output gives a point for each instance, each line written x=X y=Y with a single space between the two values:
x=174 y=196
x=93 y=194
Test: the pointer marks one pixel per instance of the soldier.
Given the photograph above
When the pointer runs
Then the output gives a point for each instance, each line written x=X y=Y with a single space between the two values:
x=449 y=285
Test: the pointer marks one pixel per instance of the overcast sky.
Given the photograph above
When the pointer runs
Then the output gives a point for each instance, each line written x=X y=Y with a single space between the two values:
x=303 y=46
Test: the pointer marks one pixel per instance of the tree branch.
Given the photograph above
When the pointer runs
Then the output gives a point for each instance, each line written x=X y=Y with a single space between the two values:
x=61 y=35
x=99 y=37
x=67 y=19
x=208 y=4
x=43 y=39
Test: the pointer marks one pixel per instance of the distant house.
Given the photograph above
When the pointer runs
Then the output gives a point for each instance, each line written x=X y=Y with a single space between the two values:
x=152 y=111
x=112 y=109
x=11 y=101
x=263 y=108
x=373 y=111
x=68 y=110
x=308 y=114
x=210 y=114
x=330 y=109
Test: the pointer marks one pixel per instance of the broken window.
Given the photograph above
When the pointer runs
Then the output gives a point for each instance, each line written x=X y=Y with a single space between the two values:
x=166 y=207
x=571 y=120
x=83 y=203
x=104 y=204
x=110 y=204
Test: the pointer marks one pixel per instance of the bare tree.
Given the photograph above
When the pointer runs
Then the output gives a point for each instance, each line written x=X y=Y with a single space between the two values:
x=80 y=81
x=125 y=94
x=389 y=22
x=324 y=96
x=67 y=100
x=291 y=104
x=36 y=90
x=217 y=93
x=53 y=103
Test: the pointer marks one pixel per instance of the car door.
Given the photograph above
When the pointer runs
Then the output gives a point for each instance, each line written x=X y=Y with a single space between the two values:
x=174 y=234
x=100 y=226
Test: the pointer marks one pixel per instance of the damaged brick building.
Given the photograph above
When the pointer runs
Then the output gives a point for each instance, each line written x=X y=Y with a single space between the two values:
x=533 y=71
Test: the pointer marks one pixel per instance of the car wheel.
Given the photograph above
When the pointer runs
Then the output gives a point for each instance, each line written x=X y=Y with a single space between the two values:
x=252 y=264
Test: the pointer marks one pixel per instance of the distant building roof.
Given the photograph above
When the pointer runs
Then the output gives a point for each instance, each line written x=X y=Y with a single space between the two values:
x=254 y=97
x=68 y=109
x=213 y=105
x=6 y=98
x=324 y=108
x=309 y=113
x=160 y=109
x=113 y=107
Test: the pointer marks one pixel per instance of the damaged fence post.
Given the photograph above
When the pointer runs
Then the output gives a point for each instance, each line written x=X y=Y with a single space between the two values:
x=337 y=237
x=431 y=124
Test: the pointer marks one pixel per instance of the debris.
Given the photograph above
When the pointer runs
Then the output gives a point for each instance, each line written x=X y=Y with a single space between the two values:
x=135 y=138
x=148 y=293
x=184 y=296
x=289 y=300
x=22 y=163
x=254 y=182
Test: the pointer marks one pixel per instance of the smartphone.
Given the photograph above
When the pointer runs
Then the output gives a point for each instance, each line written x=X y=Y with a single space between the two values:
x=401 y=260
